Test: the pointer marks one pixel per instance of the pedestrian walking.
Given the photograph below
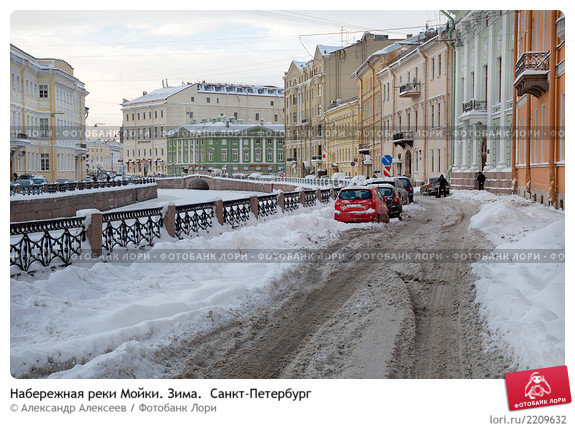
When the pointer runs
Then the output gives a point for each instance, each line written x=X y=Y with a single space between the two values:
x=481 y=180
x=442 y=186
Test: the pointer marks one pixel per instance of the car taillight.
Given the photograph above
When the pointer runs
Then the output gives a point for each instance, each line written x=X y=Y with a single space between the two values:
x=411 y=189
x=396 y=200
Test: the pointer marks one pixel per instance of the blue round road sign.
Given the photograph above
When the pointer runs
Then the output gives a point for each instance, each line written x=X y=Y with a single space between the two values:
x=387 y=160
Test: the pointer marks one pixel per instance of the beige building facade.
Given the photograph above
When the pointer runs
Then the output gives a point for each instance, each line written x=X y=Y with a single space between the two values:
x=147 y=119
x=415 y=109
x=313 y=87
x=47 y=118
x=342 y=140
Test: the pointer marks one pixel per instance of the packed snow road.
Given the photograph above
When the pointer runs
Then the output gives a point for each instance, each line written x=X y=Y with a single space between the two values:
x=362 y=317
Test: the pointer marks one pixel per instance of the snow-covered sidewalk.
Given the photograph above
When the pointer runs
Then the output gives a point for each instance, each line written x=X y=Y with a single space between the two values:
x=523 y=302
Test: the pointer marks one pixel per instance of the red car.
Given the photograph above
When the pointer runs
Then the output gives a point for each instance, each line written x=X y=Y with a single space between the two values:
x=360 y=204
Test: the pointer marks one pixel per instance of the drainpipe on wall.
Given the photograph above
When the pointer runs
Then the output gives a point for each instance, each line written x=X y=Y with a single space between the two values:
x=528 y=121
x=373 y=118
x=514 y=177
x=360 y=108
x=553 y=114
x=424 y=113
x=453 y=56
x=392 y=118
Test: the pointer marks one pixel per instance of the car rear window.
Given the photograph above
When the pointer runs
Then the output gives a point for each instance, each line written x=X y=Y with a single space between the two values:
x=355 y=194
x=386 y=192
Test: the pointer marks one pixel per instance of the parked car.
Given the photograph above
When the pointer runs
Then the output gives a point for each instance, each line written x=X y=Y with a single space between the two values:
x=406 y=184
x=401 y=191
x=389 y=193
x=24 y=183
x=64 y=181
x=431 y=186
x=360 y=204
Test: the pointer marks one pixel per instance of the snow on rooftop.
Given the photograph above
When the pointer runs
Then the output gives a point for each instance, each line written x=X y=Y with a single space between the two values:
x=157 y=94
x=327 y=50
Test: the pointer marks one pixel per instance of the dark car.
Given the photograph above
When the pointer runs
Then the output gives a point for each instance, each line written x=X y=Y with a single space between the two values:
x=360 y=204
x=394 y=204
x=406 y=184
x=431 y=186
x=394 y=181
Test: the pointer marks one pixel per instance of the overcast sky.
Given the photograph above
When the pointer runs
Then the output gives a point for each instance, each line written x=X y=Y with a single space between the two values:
x=119 y=54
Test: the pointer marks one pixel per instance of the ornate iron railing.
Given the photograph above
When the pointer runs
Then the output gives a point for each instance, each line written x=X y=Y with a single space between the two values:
x=32 y=190
x=192 y=218
x=477 y=105
x=291 y=201
x=267 y=205
x=325 y=195
x=538 y=61
x=131 y=227
x=44 y=241
x=310 y=198
x=52 y=188
x=335 y=192
x=236 y=212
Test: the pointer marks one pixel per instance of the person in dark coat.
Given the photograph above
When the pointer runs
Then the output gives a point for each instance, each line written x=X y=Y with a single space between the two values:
x=481 y=180
x=442 y=186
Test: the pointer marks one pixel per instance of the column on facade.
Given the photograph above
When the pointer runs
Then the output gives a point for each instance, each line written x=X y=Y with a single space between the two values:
x=252 y=158
x=506 y=135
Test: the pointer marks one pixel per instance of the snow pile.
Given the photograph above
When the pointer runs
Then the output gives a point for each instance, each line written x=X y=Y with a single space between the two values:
x=122 y=320
x=523 y=302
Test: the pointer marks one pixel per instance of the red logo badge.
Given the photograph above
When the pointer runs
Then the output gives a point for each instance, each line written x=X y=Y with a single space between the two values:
x=538 y=388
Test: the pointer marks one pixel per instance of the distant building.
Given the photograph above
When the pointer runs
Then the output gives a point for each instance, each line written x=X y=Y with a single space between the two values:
x=103 y=156
x=313 y=87
x=226 y=145
x=47 y=117
x=148 y=118
x=539 y=73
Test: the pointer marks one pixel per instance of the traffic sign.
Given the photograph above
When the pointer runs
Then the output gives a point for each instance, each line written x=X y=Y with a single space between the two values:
x=387 y=160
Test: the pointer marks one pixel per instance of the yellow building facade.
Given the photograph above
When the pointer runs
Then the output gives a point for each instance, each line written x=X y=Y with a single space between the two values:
x=342 y=140
x=47 y=118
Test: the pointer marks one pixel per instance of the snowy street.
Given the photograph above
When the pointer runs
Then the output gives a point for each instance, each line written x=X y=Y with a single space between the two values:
x=353 y=317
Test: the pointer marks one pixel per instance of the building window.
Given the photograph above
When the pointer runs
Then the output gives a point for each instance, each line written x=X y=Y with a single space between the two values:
x=275 y=118
x=246 y=155
x=439 y=65
x=45 y=162
x=207 y=99
x=43 y=91
x=235 y=156
x=280 y=156
x=269 y=156
x=257 y=116
x=499 y=70
x=258 y=155
x=44 y=129
x=432 y=68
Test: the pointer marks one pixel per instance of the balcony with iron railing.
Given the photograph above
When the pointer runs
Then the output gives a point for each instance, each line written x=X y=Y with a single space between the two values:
x=532 y=74
x=561 y=27
x=474 y=111
x=403 y=138
x=410 y=89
